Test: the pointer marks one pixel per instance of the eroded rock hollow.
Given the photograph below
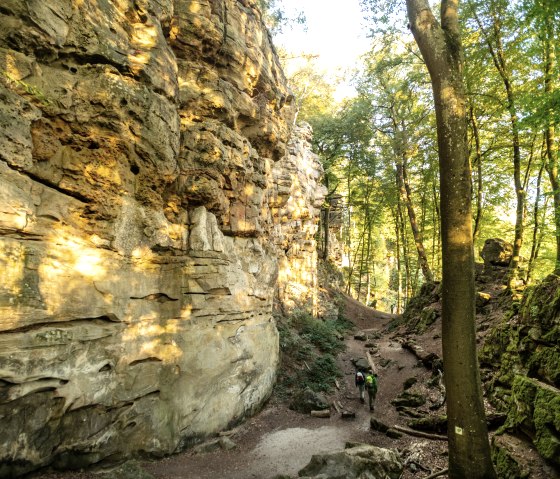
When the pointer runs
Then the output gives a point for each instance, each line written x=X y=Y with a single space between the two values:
x=154 y=200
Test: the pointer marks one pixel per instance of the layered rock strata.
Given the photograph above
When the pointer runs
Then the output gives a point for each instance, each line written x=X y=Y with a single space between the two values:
x=149 y=200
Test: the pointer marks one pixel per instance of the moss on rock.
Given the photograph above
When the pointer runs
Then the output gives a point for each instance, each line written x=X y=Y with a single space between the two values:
x=507 y=465
x=535 y=411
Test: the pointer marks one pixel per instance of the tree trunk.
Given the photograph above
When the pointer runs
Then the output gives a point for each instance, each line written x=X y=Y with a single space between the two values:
x=404 y=245
x=478 y=162
x=436 y=246
x=325 y=226
x=398 y=258
x=536 y=226
x=406 y=197
x=497 y=53
x=550 y=137
x=440 y=46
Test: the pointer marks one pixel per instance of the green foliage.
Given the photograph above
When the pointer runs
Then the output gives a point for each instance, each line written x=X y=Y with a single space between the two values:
x=275 y=16
x=309 y=347
x=506 y=465
x=27 y=88
x=324 y=335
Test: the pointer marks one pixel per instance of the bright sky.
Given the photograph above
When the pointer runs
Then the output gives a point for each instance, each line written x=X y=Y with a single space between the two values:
x=335 y=30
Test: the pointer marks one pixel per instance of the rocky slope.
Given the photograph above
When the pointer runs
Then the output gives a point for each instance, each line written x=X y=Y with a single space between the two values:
x=153 y=192
x=519 y=353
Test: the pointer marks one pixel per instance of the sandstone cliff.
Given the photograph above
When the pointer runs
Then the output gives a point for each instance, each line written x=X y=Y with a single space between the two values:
x=151 y=195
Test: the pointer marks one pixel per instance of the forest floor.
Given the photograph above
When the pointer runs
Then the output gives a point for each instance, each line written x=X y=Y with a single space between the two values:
x=280 y=441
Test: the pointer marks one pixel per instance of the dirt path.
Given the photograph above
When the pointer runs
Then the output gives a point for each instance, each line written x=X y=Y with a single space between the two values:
x=280 y=441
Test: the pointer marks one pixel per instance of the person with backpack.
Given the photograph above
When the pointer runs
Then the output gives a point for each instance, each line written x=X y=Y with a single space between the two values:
x=371 y=387
x=360 y=381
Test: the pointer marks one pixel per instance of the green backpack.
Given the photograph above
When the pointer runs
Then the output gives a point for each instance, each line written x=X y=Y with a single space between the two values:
x=371 y=382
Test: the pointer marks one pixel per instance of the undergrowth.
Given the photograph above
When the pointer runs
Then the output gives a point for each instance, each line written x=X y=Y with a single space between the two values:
x=308 y=349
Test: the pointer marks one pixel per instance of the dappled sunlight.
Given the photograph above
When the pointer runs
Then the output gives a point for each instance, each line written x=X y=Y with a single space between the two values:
x=453 y=101
x=297 y=278
x=68 y=252
x=12 y=261
x=66 y=272
x=103 y=171
x=194 y=7
x=89 y=264
x=248 y=190
x=154 y=339
x=143 y=37
x=143 y=253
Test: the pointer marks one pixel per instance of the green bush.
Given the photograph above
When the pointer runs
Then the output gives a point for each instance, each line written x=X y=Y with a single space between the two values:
x=309 y=347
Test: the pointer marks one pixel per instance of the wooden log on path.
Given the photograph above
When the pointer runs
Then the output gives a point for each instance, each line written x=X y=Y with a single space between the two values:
x=323 y=413
x=412 y=432
x=437 y=474
x=371 y=363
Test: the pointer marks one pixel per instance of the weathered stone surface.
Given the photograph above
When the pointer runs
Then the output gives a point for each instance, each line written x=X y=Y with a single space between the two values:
x=307 y=400
x=357 y=461
x=496 y=252
x=150 y=200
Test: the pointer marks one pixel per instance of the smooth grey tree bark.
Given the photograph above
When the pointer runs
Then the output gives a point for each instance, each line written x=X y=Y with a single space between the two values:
x=440 y=46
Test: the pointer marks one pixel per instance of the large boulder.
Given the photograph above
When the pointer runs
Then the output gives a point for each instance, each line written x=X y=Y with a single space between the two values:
x=307 y=400
x=356 y=462
x=496 y=252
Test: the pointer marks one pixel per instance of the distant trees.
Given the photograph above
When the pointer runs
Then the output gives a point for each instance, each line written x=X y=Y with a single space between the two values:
x=400 y=211
x=379 y=150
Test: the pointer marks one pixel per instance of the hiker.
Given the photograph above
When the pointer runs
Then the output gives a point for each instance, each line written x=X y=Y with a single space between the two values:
x=371 y=387
x=360 y=381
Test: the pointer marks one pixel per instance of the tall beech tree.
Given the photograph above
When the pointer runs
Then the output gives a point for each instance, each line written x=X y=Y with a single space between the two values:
x=440 y=45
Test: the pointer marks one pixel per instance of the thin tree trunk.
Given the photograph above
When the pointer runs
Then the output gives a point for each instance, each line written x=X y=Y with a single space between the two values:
x=536 y=225
x=478 y=163
x=550 y=137
x=497 y=53
x=437 y=232
x=403 y=187
x=440 y=46
x=398 y=258
x=326 y=220
x=404 y=245
x=368 y=253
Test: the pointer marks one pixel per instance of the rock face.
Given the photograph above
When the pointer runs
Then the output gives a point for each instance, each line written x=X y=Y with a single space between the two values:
x=527 y=381
x=150 y=199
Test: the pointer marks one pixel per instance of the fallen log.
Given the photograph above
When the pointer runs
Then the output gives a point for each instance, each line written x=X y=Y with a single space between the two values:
x=412 y=432
x=437 y=474
x=371 y=363
x=323 y=413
